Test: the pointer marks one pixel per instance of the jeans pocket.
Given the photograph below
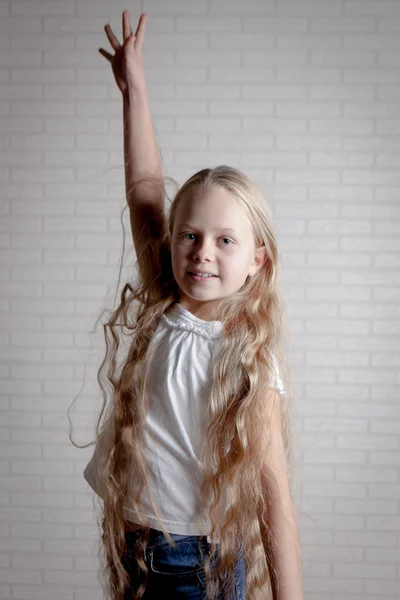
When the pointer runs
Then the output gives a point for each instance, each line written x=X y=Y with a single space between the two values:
x=186 y=558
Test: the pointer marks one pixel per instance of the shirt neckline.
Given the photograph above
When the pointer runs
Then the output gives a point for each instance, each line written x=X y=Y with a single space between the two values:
x=180 y=317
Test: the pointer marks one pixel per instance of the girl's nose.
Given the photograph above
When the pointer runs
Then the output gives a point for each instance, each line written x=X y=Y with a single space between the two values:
x=202 y=251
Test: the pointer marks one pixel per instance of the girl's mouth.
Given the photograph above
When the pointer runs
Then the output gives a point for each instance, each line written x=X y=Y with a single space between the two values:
x=201 y=277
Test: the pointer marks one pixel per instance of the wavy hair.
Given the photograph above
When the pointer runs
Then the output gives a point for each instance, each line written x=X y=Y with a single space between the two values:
x=238 y=433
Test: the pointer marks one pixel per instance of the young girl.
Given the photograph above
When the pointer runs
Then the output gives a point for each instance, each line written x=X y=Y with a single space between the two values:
x=193 y=460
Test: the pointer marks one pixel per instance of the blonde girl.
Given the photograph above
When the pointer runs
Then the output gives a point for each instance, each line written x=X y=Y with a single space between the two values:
x=193 y=459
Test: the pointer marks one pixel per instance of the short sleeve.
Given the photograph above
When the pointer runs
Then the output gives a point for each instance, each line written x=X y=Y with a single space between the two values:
x=96 y=466
x=277 y=382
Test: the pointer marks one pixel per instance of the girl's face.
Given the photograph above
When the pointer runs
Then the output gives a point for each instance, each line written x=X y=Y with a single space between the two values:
x=212 y=234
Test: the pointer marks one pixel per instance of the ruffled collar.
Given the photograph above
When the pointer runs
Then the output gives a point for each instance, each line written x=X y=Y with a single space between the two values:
x=181 y=318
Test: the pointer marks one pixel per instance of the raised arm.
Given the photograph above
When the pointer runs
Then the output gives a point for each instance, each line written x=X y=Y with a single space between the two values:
x=144 y=182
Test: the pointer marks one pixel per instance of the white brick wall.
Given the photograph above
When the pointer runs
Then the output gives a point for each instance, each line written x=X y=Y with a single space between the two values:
x=303 y=95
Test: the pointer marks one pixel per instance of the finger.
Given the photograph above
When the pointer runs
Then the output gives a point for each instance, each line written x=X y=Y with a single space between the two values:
x=107 y=55
x=126 y=25
x=113 y=40
x=140 y=31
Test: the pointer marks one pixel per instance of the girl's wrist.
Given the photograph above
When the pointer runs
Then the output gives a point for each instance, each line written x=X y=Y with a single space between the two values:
x=135 y=93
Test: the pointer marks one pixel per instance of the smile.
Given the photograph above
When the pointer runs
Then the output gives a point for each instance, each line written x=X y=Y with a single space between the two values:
x=201 y=276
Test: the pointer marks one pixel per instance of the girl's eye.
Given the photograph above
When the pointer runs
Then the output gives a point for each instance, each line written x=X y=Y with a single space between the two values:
x=225 y=238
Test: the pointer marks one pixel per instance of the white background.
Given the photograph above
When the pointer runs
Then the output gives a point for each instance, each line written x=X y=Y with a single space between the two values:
x=304 y=97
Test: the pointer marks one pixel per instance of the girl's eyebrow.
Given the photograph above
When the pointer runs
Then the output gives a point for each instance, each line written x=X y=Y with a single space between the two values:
x=213 y=228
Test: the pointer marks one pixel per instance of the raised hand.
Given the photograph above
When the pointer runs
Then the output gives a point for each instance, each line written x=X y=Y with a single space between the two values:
x=127 y=62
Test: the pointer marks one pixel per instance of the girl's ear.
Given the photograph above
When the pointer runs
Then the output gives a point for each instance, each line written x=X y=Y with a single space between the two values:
x=260 y=257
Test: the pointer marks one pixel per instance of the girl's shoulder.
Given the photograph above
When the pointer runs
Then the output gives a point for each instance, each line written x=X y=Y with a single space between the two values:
x=277 y=382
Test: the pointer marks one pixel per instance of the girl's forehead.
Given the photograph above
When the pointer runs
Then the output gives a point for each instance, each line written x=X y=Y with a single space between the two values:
x=214 y=192
x=215 y=215
x=216 y=201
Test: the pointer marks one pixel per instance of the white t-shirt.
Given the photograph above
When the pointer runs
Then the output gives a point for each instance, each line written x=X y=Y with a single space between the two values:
x=181 y=379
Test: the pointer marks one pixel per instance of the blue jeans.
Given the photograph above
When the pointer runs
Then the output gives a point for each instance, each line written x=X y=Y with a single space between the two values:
x=177 y=572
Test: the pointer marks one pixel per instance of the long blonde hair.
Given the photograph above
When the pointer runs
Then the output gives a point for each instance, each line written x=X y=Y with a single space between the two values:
x=237 y=435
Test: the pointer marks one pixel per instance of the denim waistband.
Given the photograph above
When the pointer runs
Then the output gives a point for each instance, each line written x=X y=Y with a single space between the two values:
x=157 y=538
